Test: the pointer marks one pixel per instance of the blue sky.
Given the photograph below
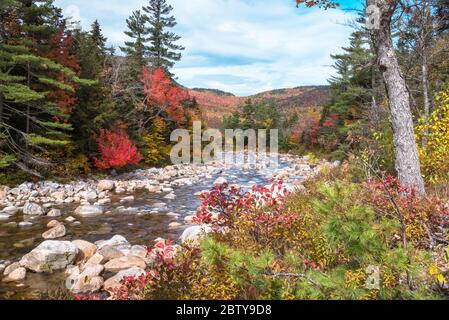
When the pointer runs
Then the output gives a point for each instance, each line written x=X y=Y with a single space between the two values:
x=240 y=46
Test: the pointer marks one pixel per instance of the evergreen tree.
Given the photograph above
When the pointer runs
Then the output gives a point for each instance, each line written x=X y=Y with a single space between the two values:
x=163 y=52
x=95 y=107
x=97 y=37
x=31 y=119
x=136 y=49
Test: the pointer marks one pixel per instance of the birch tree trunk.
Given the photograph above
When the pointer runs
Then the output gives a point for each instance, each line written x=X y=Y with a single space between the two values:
x=407 y=163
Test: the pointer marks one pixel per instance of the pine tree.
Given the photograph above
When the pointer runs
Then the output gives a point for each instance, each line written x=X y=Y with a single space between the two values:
x=163 y=52
x=97 y=37
x=136 y=49
x=95 y=107
x=31 y=119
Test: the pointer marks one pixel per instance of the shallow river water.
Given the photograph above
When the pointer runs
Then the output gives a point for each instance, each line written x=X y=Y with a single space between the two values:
x=141 y=228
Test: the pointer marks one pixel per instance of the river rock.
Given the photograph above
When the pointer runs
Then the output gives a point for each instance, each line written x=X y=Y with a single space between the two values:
x=4 y=216
x=170 y=196
x=189 y=219
x=220 y=181
x=55 y=232
x=153 y=189
x=31 y=208
x=86 y=249
x=105 y=185
x=10 y=210
x=54 y=213
x=174 y=225
x=58 y=195
x=16 y=275
x=127 y=199
x=50 y=255
x=89 y=210
x=11 y=268
x=123 y=263
x=53 y=223
x=119 y=190
x=82 y=283
x=139 y=251
x=25 y=224
x=104 y=201
x=114 y=241
x=110 y=252
x=70 y=219
x=96 y=259
x=195 y=233
x=114 y=282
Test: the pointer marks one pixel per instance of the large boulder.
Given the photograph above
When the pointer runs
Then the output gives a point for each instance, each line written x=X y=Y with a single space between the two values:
x=105 y=185
x=114 y=282
x=31 y=208
x=50 y=255
x=89 y=210
x=195 y=233
x=123 y=263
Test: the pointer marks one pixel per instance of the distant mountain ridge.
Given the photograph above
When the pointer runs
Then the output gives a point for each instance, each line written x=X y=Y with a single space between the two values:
x=215 y=104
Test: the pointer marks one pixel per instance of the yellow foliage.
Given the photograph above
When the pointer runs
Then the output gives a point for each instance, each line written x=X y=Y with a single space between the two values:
x=157 y=150
x=434 y=137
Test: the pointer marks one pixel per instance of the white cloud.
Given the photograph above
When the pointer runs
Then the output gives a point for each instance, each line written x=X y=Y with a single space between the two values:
x=242 y=46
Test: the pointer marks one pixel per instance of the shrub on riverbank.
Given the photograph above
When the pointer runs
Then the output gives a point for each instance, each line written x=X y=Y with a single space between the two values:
x=336 y=240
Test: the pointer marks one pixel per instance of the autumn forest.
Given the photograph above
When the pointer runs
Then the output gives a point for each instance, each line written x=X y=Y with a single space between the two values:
x=356 y=208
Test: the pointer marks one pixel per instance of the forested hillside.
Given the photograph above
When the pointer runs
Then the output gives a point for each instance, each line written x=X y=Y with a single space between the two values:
x=217 y=104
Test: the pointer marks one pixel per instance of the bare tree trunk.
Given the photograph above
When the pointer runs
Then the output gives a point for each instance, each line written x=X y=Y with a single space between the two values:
x=425 y=88
x=375 y=110
x=406 y=152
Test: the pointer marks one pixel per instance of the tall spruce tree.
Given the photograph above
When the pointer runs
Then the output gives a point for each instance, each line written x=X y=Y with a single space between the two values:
x=163 y=52
x=136 y=49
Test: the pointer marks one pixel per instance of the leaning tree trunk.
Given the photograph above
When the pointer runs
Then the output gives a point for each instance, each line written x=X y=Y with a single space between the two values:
x=406 y=152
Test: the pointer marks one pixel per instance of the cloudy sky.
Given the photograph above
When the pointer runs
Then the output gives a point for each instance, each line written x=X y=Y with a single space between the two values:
x=240 y=46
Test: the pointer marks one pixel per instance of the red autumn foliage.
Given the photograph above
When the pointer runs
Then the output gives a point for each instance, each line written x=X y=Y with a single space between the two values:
x=116 y=149
x=163 y=94
x=159 y=277
x=63 y=54
x=388 y=195
x=223 y=204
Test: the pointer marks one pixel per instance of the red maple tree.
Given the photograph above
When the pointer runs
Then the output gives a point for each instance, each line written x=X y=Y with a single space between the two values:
x=116 y=150
x=161 y=93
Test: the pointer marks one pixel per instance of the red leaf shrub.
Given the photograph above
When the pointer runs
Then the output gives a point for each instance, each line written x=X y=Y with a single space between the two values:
x=389 y=196
x=224 y=204
x=116 y=150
